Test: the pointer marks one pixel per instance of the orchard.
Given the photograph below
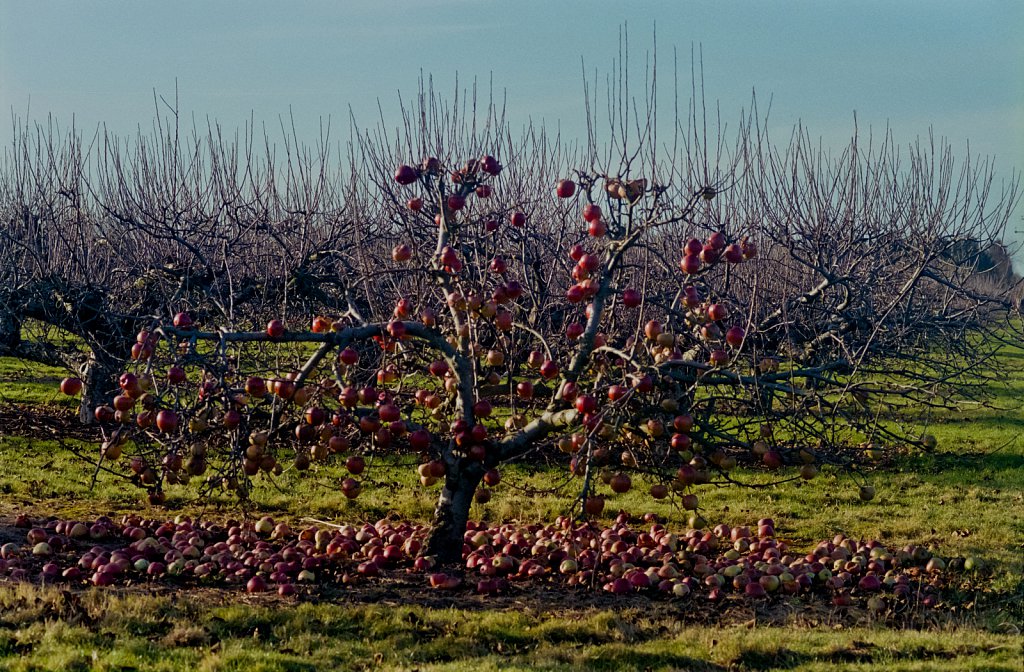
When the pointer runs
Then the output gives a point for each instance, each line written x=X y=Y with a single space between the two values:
x=671 y=350
x=677 y=343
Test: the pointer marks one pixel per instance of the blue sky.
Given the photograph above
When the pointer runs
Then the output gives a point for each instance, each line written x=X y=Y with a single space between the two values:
x=957 y=67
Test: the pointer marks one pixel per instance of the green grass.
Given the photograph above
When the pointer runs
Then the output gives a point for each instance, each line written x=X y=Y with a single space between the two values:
x=967 y=498
x=30 y=383
x=46 y=629
x=967 y=505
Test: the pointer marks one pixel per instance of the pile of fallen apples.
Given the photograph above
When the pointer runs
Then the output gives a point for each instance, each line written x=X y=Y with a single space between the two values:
x=630 y=556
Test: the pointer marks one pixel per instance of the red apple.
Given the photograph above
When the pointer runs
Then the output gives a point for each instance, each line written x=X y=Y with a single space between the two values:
x=419 y=439
x=498 y=265
x=586 y=403
x=490 y=165
x=71 y=386
x=123 y=403
x=683 y=423
x=104 y=413
x=449 y=257
x=321 y=325
x=348 y=357
x=401 y=253
x=231 y=419
x=717 y=312
x=733 y=254
x=690 y=264
x=405 y=175
x=734 y=336
x=315 y=415
x=403 y=309
x=167 y=421
x=183 y=320
x=652 y=329
x=621 y=483
x=503 y=320
x=478 y=433
x=593 y=506
x=575 y=294
x=175 y=375
x=351 y=488
x=565 y=188
x=275 y=329
x=691 y=297
x=681 y=442
x=631 y=298
x=643 y=384
x=128 y=382
x=535 y=359
x=355 y=464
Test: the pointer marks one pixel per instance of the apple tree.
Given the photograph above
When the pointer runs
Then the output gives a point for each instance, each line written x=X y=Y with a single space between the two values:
x=655 y=322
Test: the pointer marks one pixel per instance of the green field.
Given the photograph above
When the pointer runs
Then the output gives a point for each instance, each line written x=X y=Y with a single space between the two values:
x=967 y=499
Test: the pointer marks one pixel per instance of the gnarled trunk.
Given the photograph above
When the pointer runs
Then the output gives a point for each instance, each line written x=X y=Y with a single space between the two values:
x=452 y=514
x=99 y=374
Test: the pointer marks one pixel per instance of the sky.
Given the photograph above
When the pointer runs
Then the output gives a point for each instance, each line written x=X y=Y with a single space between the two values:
x=951 y=66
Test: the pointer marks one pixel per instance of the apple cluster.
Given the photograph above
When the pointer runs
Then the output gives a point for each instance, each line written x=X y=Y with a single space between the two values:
x=631 y=556
x=173 y=421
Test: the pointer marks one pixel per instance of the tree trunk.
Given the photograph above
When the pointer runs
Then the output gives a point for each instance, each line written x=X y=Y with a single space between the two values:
x=10 y=331
x=100 y=377
x=452 y=514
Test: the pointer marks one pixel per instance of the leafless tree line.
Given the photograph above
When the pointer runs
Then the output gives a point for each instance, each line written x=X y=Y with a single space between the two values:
x=873 y=289
x=873 y=250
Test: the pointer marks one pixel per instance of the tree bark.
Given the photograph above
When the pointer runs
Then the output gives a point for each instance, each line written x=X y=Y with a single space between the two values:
x=10 y=330
x=452 y=514
x=99 y=375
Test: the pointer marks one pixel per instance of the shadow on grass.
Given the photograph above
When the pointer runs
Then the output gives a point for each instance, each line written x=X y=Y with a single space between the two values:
x=994 y=470
x=855 y=653
x=625 y=659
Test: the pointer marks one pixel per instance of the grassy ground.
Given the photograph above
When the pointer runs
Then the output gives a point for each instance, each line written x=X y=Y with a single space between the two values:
x=43 y=629
x=967 y=498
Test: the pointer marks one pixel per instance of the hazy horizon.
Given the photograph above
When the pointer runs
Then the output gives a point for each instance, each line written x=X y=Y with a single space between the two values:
x=911 y=67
